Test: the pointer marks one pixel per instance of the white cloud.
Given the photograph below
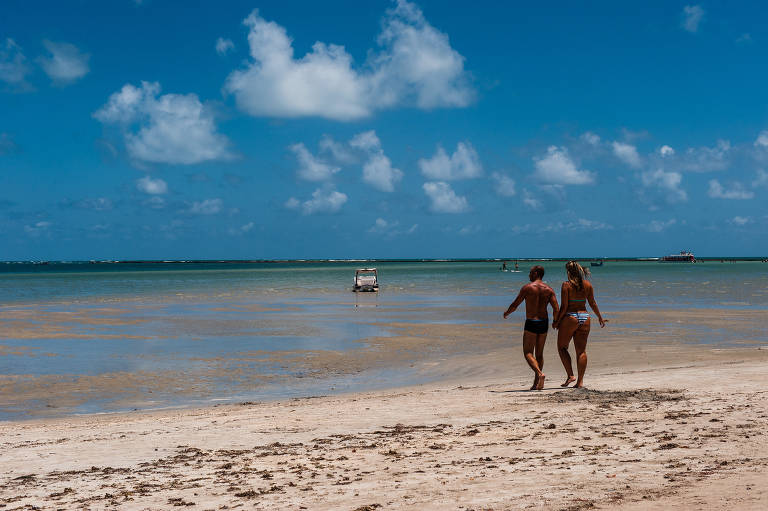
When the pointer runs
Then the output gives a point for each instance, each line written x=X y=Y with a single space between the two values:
x=310 y=168
x=388 y=229
x=37 y=228
x=737 y=191
x=740 y=220
x=13 y=64
x=464 y=163
x=155 y=202
x=627 y=153
x=366 y=141
x=581 y=224
x=668 y=182
x=584 y=224
x=557 y=167
x=292 y=203
x=338 y=151
x=224 y=45
x=665 y=151
x=172 y=128
x=590 y=138
x=379 y=225
x=235 y=231
x=504 y=185
x=379 y=173
x=97 y=204
x=468 y=230
x=416 y=65
x=531 y=200
x=762 y=139
x=692 y=17
x=65 y=64
x=377 y=170
x=707 y=159
x=324 y=200
x=444 y=199
x=152 y=186
x=206 y=207
x=761 y=180
x=659 y=225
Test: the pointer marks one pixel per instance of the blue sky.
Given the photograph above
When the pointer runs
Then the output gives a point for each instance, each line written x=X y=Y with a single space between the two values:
x=381 y=129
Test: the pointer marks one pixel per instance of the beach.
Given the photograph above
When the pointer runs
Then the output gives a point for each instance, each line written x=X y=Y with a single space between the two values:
x=678 y=426
x=226 y=397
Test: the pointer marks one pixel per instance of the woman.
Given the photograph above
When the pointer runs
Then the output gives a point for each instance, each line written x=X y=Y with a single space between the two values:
x=573 y=320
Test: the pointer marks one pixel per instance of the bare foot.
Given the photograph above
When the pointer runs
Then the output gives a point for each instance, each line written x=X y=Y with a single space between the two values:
x=535 y=382
x=579 y=385
x=540 y=384
x=570 y=380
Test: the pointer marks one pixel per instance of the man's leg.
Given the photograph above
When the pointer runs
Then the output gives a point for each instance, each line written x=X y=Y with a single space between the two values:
x=529 y=345
x=540 y=340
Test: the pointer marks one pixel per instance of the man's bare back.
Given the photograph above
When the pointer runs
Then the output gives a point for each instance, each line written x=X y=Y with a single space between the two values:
x=537 y=296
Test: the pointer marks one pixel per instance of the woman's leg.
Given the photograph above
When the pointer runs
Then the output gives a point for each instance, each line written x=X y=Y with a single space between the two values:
x=580 y=343
x=567 y=327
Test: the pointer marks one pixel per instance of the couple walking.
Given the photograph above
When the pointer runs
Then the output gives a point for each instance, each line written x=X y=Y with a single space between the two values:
x=571 y=321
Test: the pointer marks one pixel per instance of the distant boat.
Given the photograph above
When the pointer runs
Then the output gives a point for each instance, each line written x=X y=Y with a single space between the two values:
x=599 y=262
x=682 y=257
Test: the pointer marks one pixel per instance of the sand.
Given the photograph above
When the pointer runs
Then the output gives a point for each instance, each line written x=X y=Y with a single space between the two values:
x=660 y=426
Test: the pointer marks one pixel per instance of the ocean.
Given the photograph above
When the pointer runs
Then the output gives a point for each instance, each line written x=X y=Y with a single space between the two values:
x=89 y=338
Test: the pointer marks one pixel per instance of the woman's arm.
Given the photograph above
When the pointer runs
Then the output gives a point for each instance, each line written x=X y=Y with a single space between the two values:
x=593 y=304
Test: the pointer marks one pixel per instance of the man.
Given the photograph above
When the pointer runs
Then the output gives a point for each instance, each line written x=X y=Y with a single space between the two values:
x=537 y=296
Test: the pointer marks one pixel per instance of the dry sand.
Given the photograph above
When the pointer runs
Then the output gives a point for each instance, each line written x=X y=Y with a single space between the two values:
x=661 y=426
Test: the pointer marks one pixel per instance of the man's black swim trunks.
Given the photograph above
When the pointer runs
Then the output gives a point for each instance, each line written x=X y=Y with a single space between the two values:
x=537 y=326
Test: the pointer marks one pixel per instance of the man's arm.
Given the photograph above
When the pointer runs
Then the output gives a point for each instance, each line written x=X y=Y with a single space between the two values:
x=563 y=302
x=520 y=297
x=555 y=308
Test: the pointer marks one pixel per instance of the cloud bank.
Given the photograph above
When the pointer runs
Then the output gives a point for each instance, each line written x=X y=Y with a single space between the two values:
x=415 y=66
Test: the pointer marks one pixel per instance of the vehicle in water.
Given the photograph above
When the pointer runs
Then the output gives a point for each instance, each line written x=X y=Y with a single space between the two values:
x=683 y=257
x=599 y=262
x=366 y=280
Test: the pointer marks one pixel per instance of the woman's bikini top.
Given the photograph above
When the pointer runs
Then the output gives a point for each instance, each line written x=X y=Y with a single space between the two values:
x=576 y=299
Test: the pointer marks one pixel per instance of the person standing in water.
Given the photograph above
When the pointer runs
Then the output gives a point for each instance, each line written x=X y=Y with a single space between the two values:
x=573 y=320
x=537 y=296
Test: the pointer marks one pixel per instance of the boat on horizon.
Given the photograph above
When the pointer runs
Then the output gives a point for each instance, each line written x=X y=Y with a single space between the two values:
x=685 y=256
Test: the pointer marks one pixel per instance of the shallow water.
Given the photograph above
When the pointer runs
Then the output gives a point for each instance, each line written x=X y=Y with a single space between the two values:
x=179 y=334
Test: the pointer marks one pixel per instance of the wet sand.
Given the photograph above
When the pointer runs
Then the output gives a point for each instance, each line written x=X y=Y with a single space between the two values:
x=410 y=352
x=662 y=424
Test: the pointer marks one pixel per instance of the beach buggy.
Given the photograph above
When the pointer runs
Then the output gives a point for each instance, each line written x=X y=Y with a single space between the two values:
x=366 y=279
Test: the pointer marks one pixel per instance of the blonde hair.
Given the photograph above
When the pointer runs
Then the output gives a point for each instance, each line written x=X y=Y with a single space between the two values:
x=576 y=274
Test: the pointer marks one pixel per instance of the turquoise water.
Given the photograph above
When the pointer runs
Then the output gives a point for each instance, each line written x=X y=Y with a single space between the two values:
x=620 y=283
